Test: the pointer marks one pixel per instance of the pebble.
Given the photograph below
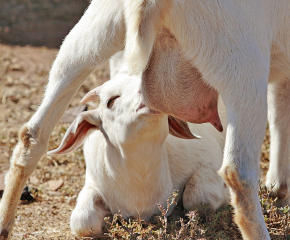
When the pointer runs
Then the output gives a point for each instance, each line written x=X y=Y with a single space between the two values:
x=34 y=180
x=54 y=185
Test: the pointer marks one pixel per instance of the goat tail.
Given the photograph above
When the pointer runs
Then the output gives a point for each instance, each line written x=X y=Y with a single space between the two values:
x=143 y=18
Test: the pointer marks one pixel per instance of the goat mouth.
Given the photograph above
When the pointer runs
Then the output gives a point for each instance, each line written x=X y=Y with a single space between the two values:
x=143 y=109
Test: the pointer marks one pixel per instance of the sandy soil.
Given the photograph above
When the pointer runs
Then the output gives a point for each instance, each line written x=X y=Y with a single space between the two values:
x=23 y=76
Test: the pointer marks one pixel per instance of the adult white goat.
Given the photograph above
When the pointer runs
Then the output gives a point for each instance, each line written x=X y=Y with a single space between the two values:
x=237 y=46
x=132 y=162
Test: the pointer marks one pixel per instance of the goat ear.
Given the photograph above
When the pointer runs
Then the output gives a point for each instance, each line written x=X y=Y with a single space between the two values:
x=92 y=95
x=77 y=131
x=179 y=128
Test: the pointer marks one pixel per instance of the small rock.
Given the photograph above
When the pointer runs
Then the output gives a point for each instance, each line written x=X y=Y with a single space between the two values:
x=54 y=185
x=15 y=67
x=34 y=180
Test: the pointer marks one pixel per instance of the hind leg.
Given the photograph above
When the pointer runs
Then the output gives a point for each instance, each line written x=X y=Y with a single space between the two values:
x=205 y=187
x=279 y=116
x=97 y=36
x=242 y=84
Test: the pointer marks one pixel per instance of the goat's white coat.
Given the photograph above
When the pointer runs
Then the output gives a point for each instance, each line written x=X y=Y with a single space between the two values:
x=238 y=46
x=133 y=164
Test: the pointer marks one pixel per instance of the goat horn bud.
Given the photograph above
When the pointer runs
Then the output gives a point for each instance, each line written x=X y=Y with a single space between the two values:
x=90 y=96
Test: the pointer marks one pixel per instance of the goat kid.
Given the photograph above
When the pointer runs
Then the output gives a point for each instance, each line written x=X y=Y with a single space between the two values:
x=133 y=164
x=237 y=47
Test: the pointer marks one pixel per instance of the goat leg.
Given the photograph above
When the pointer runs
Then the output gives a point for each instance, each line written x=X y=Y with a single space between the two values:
x=97 y=36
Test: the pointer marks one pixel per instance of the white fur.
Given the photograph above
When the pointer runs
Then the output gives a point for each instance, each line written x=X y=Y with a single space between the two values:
x=133 y=164
x=238 y=46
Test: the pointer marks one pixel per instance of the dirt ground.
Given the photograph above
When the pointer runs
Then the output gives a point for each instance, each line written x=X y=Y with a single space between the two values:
x=23 y=76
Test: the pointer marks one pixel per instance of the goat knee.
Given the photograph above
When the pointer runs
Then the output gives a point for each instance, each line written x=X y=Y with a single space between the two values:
x=202 y=190
x=242 y=188
x=24 y=159
x=87 y=218
x=28 y=150
x=86 y=224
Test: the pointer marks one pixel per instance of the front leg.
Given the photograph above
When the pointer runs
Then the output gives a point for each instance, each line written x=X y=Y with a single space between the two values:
x=239 y=70
x=247 y=118
x=87 y=218
x=97 y=36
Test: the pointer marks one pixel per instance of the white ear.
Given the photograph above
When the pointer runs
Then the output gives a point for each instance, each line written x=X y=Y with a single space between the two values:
x=77 y=131
x=179 y=128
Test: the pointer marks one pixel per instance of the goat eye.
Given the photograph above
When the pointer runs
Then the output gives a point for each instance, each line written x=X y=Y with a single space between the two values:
x=111 y=101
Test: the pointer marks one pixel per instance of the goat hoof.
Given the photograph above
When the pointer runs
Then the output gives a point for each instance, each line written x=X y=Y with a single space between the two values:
x=282 y=194
x=4 y=235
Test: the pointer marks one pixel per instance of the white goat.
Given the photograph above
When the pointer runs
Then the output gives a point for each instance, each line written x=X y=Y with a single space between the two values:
x=237 y=46
x=132 y=162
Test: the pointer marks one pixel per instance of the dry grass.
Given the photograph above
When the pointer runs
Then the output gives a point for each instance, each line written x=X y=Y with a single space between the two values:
x=23 y=74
